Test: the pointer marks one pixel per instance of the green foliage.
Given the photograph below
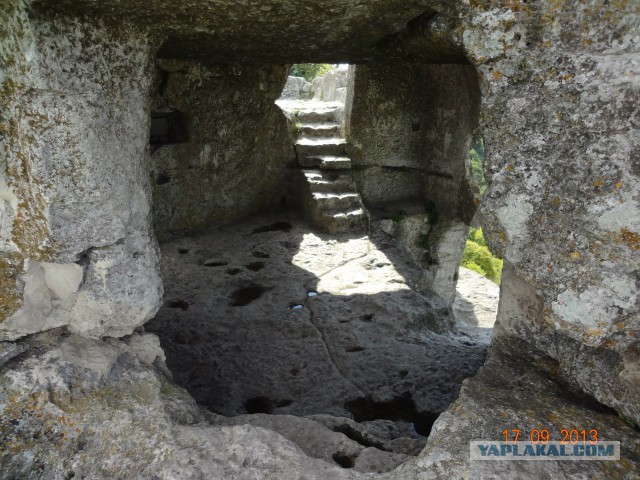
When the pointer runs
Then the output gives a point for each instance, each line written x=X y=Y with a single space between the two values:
x=478 y=258
x=310 y=70
x=297 y=130
x=476 y=158
x=476 y=236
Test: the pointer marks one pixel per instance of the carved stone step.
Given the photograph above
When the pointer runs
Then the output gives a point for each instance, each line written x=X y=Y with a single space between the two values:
x=346 y=201
x=325 y=162
x=331 y=202
x=343 y=221
x=322 y=181
x=320 y=147
x=320 y=130
x=317 y=115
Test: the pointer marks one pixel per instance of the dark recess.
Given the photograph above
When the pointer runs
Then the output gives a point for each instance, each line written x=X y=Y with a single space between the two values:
x=354 y=349
x=402 y=408
x=255 y=266
x=258 y=405
x=245 y=295
x=162 y=179
x=178 y=304
x=274 y=227
x=168 y=128
x=215 y=263
x=358 y=437
x=344 y=460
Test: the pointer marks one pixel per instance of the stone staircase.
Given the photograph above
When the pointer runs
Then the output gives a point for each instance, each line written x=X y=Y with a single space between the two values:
x=330 y=198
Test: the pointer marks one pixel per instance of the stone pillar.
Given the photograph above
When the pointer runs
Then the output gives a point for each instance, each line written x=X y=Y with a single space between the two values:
x=76 y=216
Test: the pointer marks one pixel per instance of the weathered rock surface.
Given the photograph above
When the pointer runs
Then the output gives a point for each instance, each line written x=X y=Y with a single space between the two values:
x=333 y=444
x=559 y=95
x=396 y=116
x=285 y=31
x=267 y=316
x=73 y=406
x=476 y=304
x=560 y=92
x=75 y=209
x=297 y=88
x=114 y=414
x=204 y=181
x=332 y=86
x=520 y=388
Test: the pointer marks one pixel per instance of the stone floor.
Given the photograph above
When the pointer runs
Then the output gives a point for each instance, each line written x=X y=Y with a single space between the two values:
x=476 y=305
x=266 y=316
x=105 y=408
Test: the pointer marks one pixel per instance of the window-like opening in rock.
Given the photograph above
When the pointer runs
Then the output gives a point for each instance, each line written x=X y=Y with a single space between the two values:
x=478 y=257
x=336 y=304
x=476 y=164
x=168 y=128
x=480 y=274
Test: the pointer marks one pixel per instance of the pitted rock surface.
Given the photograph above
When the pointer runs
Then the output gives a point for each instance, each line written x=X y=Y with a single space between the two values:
x=558 y=95
x=290 y=321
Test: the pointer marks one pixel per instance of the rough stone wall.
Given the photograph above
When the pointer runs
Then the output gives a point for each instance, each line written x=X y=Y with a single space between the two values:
x=14 y=71
x=412 y=127
x=284 y=31
x=234 y=162
x=75 y=218
x=297 y=88
x=386 y=114
x=332 y=86
x=560 y=95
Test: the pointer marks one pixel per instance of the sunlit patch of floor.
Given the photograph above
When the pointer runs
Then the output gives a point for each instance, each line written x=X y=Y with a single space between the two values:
x=323 y=325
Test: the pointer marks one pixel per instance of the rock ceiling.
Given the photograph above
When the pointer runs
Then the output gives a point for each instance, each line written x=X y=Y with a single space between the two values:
x=277 y=31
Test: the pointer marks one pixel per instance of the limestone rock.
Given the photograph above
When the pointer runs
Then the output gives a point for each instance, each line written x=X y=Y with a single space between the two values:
x=561 y=205
x=84 y=186
x=318 y=441
x=520 y=388
x=554 y=88
x=316 y=323
x=392 y=436
x=279 y=31
x=476 y=304
x=332 y=86
x=61 y=414
x=237 y=137
x=297 y=88
x=73 y=406
x=396 y=117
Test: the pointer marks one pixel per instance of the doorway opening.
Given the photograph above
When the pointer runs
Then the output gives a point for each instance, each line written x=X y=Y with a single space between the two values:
x=335 y=308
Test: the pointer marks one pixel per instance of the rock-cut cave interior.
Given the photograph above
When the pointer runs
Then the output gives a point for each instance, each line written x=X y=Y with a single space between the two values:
x=222 y=260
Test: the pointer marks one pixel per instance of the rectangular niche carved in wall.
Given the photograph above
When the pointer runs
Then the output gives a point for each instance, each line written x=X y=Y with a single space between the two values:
x=168 y=128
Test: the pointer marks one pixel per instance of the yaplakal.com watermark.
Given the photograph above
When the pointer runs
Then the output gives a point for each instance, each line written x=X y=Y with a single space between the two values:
x=500 y=450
